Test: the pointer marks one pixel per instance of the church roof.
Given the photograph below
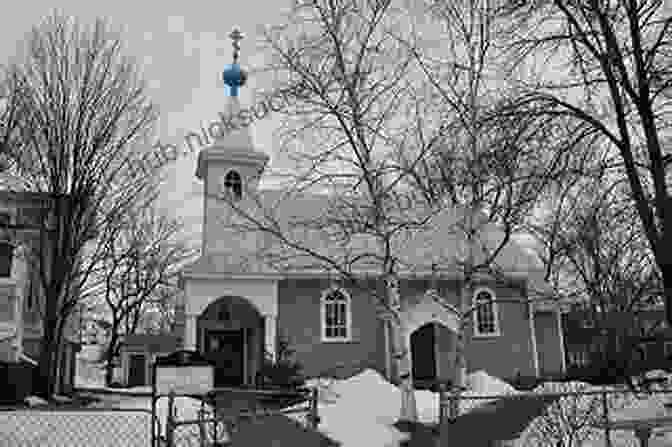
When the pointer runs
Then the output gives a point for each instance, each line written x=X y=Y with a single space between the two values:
x=437 y=241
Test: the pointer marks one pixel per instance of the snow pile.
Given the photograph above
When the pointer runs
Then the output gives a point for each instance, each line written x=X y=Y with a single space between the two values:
x=365 y=400
x=480 y=383
x=61 y=399
x=428 y=406
x=368 y=400
x=658 y=374
x=325 y=387
x=483 y=383
x=89 y=374
x=34 y=401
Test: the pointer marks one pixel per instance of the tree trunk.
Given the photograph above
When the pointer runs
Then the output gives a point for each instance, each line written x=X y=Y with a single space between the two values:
x=111 y=350
x=58 y=354
x=46 y=367
x=667 y=282
x=401 y=354
x=460 y=352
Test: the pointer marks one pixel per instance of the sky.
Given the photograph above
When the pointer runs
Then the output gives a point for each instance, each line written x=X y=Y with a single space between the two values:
x=181 y=49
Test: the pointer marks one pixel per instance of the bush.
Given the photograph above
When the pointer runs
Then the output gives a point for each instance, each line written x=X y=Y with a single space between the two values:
x=285 y=373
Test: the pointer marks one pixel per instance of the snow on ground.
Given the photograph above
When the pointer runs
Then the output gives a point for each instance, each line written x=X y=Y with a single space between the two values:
x=480 y=383
x=186 y=408
x=35 y=401
x=366 y=401
x=372 y=404
x=95 y=386
x=90 y=372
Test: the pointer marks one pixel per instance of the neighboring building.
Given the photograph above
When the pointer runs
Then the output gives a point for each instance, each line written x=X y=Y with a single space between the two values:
x=588 y=335
x=138 y=353
x=20 y=299
x=235 y=309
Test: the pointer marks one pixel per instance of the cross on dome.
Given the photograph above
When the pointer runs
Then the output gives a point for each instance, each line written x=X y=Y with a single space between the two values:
x=233 y=75
x=236 y=36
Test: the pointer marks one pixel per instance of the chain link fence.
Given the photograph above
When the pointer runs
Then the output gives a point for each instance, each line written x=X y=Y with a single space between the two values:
x=46 y=427
x=573 y=414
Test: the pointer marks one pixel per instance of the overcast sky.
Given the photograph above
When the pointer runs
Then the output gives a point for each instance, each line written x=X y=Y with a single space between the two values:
x=182 y=48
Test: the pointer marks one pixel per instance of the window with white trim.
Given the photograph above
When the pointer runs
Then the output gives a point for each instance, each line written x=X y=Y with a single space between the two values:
x=336 y=315
x=485 y=313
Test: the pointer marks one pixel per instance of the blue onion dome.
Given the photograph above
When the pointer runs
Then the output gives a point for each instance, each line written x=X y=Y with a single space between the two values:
x=234 y=77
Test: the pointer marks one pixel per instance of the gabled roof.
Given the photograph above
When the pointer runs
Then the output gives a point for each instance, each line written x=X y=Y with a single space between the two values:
x=437 y=241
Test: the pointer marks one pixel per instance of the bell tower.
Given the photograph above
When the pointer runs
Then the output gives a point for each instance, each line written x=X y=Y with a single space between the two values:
x=231 y=166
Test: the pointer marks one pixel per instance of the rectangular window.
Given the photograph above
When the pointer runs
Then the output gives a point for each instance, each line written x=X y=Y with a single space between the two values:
x=668 y=349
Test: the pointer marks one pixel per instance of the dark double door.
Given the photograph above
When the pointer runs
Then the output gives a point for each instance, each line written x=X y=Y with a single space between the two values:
x=225 y=348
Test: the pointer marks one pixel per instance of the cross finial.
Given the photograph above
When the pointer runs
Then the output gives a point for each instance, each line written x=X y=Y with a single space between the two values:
x=236 y=36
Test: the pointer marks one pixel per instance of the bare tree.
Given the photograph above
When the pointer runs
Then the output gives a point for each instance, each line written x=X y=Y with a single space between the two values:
x=569 y=421
x=606 y=65
x=595 y=252
x=138 y=276
x=494 y=168
x=370 y=130
x=82 y=121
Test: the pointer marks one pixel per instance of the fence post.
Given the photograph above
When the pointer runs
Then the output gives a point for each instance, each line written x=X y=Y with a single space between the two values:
x=169 y=420
x=455 y=403
x=214 y=427
x=314 y=417
x=443 y=408
x=605 y=412
x=201 y=424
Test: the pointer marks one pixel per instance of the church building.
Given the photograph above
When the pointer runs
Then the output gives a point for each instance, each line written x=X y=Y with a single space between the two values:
x=236 y=308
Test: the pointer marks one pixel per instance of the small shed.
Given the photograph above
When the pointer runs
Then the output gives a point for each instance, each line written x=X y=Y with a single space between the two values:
x=138 y=352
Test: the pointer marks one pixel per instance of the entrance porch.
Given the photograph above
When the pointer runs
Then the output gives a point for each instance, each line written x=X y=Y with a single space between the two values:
x=432 y=355
x=230 y=333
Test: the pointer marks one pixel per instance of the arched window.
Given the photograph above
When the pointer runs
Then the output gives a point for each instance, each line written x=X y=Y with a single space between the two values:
x=336 y=316
x=233 y=184
x=486 y=320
